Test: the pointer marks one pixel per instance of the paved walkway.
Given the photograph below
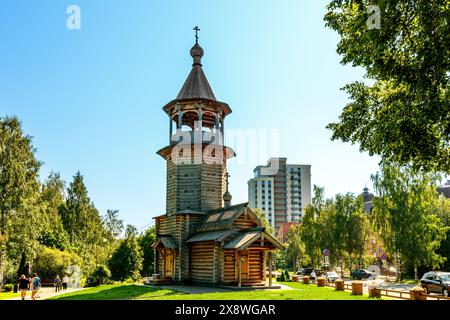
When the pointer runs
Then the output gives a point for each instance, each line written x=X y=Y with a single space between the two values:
x=45 y=293
x=200 y=289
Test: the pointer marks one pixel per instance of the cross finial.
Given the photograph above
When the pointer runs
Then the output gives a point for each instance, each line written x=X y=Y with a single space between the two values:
x=227 y=175
x=196 y=29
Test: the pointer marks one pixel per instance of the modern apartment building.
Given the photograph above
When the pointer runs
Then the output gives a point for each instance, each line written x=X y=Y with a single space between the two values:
x=282 y=191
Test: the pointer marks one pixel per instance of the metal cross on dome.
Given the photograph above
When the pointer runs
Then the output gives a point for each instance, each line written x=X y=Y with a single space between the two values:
x=196 y=29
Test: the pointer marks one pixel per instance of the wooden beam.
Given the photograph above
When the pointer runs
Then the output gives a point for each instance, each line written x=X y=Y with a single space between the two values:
x=270 y=268
x=239 y=271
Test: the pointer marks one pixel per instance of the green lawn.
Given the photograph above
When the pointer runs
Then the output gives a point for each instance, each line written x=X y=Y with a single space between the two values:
x=134 y=291
x=8 y=295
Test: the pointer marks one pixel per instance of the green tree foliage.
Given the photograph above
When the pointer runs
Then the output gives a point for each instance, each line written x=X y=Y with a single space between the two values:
x=145 y=242
x=263 y=219
x=339 y=225
x=101 y=275
x=312 y=228
x=443 y=212
x=51 y=262
x=112 y=224
x=351 y=229
x=126 y=261
x=52 y=202
x=295 y=252
x=403 y=114
x=19 y=188
x=84 y=225
x=405 y=215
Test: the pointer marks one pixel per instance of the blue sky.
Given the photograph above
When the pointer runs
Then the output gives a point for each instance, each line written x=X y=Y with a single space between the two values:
x=92 y=98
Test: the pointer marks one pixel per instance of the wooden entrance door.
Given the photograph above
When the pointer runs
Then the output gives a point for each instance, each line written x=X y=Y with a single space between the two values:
x=244 y=265
x=168 y=264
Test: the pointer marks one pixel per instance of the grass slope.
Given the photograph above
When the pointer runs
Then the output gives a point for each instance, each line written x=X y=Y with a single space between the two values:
x=133 y=291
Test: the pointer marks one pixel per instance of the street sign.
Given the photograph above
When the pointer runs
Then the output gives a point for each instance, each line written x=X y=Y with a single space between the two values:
x=327 y=261
x=326 y=252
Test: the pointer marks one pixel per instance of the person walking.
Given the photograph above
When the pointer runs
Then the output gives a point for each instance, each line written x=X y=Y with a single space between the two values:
x=65 y=280
x=24 y=283
x=57 y=283
x=35 y=285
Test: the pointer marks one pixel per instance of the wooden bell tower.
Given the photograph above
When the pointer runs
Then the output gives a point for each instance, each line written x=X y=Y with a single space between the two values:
x=196 y=155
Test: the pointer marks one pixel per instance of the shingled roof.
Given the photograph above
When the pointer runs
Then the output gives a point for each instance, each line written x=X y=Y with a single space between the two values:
x=224 y=218
x=196 y=85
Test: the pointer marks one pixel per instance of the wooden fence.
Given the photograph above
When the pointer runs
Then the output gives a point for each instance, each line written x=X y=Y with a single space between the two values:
x=404 y=295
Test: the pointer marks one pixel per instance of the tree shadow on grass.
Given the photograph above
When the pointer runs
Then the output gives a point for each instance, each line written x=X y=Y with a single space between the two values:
x=123 y=292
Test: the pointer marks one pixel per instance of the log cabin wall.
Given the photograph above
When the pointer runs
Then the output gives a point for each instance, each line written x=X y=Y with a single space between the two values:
x=198 y=187
x=202 y=261
x=244 y=222
x=229 y=269
x=213 y=186
x=256 y=265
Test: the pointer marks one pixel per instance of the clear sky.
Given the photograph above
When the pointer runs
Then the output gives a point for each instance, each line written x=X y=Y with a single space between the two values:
x=92 y=98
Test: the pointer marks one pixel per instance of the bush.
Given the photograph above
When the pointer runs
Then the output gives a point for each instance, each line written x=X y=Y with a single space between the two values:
x=286 y=275
x=52 y=262
x=281 y=278
x=126 y=261
x=8 y=287
x=101 y=275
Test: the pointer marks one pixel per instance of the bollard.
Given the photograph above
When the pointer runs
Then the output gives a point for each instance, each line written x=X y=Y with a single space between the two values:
x=306 y=280
x=339 y=285
x=321 y=282
x=294 y=278
x=374 y=292
x=357 y=288
x=417 y=293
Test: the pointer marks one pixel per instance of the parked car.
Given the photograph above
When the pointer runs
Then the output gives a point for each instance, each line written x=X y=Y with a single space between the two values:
x=360 y=274
x=305 y=271
x=436 y=282
x=332 y=276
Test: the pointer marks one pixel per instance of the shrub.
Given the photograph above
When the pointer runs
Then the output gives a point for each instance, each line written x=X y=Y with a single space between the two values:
x=286 y=275
x=101 y=275
x=51 y=262
x=281 y=278
x=8 y=287
x=126 y=261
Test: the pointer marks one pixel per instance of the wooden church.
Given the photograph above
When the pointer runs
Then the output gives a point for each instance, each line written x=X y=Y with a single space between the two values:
x=202 y=238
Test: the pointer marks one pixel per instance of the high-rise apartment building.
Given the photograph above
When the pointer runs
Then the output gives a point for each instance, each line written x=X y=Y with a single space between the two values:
x=282 y=191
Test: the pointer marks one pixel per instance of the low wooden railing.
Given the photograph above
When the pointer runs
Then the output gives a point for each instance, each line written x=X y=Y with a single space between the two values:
x=432 y=297
x=404 y=295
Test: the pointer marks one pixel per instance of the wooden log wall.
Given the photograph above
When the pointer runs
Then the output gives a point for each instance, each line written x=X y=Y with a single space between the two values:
x=213 y=186
x=244 y=222
x=229 y=266
x=202 y=262
x=256 y=265
x=196 y=186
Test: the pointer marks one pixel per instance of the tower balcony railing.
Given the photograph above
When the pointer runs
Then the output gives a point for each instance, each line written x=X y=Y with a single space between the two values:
x=213 y=137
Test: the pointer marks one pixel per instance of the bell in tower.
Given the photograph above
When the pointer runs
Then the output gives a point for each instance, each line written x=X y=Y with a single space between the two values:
x=196 y=155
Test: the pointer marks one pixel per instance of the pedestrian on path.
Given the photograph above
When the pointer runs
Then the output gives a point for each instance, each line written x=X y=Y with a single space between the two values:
x=57 y=283
x=65 y=280
x=24 y=283
x=35 y=285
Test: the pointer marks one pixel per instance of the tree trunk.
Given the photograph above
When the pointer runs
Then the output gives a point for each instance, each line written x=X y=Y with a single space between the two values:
x=416 y=276
x=2 y=266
